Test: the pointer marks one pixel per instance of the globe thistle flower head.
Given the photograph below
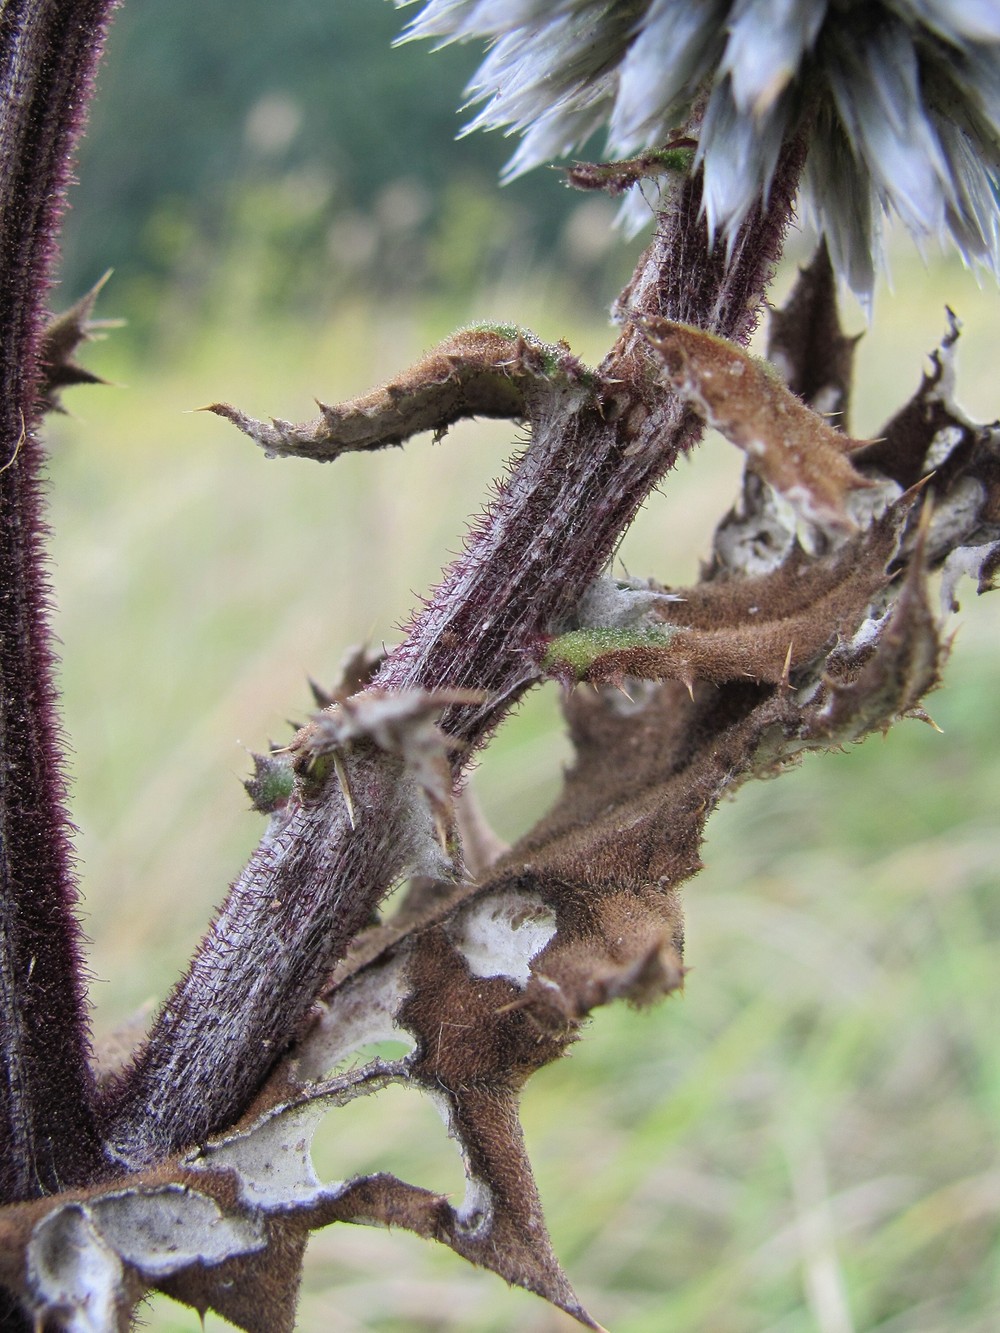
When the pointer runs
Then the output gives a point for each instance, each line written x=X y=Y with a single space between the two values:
x=900 y=100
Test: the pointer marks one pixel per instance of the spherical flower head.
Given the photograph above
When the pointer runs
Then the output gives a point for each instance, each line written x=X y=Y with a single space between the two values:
x=900 y=100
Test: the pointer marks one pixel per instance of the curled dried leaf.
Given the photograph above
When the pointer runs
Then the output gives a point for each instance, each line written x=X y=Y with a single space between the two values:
x=755 y=628
x=786 y=443
x=486 y=371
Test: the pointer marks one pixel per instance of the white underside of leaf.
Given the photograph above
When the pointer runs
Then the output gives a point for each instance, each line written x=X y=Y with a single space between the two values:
x=273 y=1159
x=361 y=1012
x=944 y=442
x=72 y=1270
x=867 y=634
x=621 y=604
x=865 y=507
x=160 y=1231
x=956 y=514
x=475 y=1213
x=965 y=561
x=500 y=934
x=77 y=1253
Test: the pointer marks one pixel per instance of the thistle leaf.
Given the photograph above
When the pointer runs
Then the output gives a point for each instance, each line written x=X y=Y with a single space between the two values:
x=807 y=345
x=786 y=443
x=754 y=628
x=488 y=371
x=61 y=338
x=929 y=428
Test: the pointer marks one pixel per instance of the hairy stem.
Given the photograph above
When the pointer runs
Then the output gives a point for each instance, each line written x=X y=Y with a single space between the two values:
x=592 y=460
x=590 y=466
x=48 y=52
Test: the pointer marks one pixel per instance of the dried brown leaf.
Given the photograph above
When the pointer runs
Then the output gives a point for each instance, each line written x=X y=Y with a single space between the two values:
x=257 y=1292
x=478 y=372
x=889 y=667
x=786 y=443
x=756 y=628
x=61 y=339
x=807 y=345
x=929 y=429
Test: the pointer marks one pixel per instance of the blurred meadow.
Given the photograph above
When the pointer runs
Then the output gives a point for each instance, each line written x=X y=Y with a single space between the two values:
x=807 y=1140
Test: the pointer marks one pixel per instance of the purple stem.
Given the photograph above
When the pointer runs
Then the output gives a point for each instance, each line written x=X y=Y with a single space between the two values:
x=552 y=528
x=48 y=53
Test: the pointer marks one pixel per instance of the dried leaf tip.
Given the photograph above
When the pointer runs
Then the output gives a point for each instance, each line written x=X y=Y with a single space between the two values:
x=615 y=178
x=62 y=337
x=807 y=344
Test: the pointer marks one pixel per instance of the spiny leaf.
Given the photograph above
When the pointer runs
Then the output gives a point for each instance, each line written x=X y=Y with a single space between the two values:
x=807 y=345
x=487 y=371
x=924 y=433
x=358 y=667
x=61 y=338
x=788 y=444
x=224 y=1227
x=755 y=628
x=615 y=178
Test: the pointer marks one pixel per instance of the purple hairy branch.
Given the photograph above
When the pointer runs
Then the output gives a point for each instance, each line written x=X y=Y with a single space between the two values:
x=598 y=445
x=48 y=52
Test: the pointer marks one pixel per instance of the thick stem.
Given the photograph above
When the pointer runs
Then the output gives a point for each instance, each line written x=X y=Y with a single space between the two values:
x=48 y=52
x=556 y=522
x=591 y=463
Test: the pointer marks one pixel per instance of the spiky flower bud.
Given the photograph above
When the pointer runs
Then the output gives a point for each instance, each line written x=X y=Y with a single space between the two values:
x=900 y=100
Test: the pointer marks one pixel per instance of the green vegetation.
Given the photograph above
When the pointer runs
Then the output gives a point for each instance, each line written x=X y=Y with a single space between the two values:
x=676 y=159
x=305 y=157
x=579 y=649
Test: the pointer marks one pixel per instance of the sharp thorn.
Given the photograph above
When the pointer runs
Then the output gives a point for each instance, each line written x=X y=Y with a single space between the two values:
x=786 y=670
x=441 y=829
x=17 y=446
x=345 y=787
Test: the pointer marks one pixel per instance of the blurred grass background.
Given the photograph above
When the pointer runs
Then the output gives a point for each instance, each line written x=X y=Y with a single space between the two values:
x=807 y=1140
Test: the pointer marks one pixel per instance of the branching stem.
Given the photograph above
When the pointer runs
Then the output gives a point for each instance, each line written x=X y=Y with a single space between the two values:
x=592 y=460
